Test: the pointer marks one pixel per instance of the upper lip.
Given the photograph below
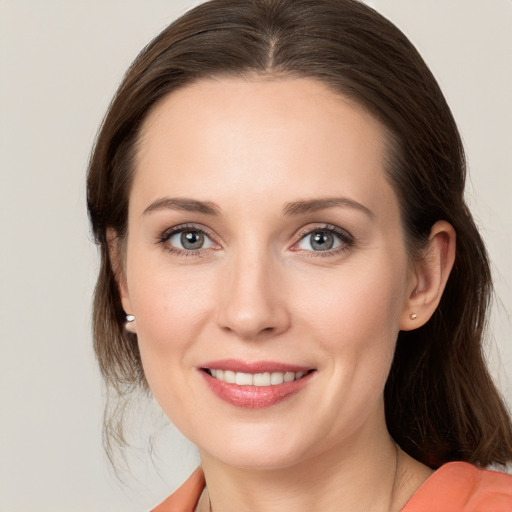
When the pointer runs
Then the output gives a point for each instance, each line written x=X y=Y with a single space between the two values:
x=254 y=366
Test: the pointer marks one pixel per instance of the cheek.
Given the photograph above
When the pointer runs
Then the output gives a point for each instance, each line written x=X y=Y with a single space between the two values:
x=355 y=321
x=355 y=302
x=172 y=310
x=171 y=303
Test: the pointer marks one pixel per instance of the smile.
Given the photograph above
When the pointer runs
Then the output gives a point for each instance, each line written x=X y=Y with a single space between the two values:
x=255 y=385
x=255 y=379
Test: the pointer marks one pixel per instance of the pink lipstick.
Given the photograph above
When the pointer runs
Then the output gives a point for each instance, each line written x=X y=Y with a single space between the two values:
x=254 y=385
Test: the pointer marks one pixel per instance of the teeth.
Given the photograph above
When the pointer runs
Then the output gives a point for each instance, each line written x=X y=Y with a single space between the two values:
x=256 y=379
x=290 y=376
x=229 y=377
x=276 y=378
x=261 y=379
x=243 y=379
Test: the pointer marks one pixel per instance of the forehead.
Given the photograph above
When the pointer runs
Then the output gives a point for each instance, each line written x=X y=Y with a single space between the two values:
x=280 y=138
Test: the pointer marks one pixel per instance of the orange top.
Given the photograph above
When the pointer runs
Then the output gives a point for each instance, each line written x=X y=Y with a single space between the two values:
x=454 y=487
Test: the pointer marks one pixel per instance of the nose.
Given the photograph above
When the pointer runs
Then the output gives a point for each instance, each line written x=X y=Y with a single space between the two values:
x=253 y=303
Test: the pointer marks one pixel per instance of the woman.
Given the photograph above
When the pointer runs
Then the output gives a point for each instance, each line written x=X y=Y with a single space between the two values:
x=288 y=264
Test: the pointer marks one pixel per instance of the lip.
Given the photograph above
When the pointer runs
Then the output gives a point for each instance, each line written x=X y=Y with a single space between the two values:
x=254 y=397
x=254 y=367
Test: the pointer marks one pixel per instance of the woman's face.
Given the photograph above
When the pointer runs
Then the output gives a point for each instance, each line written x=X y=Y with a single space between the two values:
x=265 y=239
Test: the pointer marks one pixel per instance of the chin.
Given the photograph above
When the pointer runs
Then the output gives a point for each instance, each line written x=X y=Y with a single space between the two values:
x=257 y=450
x=257 y=460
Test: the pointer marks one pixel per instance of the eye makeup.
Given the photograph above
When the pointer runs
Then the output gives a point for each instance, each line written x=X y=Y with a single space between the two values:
x=345 y=239
x=196 y=234
x=329 y=239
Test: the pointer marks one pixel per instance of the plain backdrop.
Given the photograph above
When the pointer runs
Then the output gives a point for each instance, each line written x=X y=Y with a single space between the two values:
x=60 y=63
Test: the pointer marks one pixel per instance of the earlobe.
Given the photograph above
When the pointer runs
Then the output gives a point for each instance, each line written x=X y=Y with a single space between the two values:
x=116 y=261
x=130 y=324
x=430 y=276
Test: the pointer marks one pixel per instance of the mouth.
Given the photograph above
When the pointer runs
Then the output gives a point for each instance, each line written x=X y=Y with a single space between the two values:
x=255 y=379
x=255 y=385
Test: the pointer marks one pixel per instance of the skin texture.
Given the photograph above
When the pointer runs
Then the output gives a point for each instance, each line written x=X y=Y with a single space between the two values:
x=258 y=291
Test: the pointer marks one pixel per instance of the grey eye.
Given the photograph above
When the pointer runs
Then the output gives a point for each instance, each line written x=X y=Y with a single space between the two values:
x=190 y=240
x=320 y=240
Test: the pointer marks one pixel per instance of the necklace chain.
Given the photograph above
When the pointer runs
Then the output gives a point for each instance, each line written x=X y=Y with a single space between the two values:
x=393 y=486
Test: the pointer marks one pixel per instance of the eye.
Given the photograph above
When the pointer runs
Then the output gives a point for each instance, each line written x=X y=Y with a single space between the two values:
x=189 y=239
x=325 y=239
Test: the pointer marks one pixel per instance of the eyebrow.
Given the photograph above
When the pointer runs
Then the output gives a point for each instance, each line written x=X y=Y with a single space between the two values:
x=291 y=209
x=183 y=204
x=314 y=205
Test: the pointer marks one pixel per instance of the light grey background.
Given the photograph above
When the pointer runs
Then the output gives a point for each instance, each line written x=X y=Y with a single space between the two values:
x=60 y=63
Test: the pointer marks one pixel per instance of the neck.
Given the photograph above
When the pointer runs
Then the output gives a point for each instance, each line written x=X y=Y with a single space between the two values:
x=365 y=473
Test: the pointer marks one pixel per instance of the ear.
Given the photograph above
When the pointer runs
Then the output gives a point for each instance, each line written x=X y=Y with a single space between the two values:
x=429 y=277
x=115 y=251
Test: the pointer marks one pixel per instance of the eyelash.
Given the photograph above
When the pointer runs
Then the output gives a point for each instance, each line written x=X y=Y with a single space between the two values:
x=169 y=233
x=346 y=239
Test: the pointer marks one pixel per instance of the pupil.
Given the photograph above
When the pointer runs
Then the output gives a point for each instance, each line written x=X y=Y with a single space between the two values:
x=192 y=240
x=322 y=241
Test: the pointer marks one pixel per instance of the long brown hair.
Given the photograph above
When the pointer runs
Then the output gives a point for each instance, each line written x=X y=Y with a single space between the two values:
x=441 y=403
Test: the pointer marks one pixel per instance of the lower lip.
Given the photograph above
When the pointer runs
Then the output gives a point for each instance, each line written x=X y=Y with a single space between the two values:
x=254 y=397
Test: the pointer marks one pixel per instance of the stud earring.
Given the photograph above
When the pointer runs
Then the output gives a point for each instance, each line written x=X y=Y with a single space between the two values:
x=413 y=316
x=130 y=324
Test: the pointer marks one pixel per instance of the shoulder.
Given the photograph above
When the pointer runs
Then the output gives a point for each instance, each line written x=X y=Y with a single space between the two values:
x=185 y=498
x=462 y=487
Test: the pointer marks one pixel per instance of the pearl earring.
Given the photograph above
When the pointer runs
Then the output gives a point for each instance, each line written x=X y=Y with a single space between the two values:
x=129 y=324
x=413 y=316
